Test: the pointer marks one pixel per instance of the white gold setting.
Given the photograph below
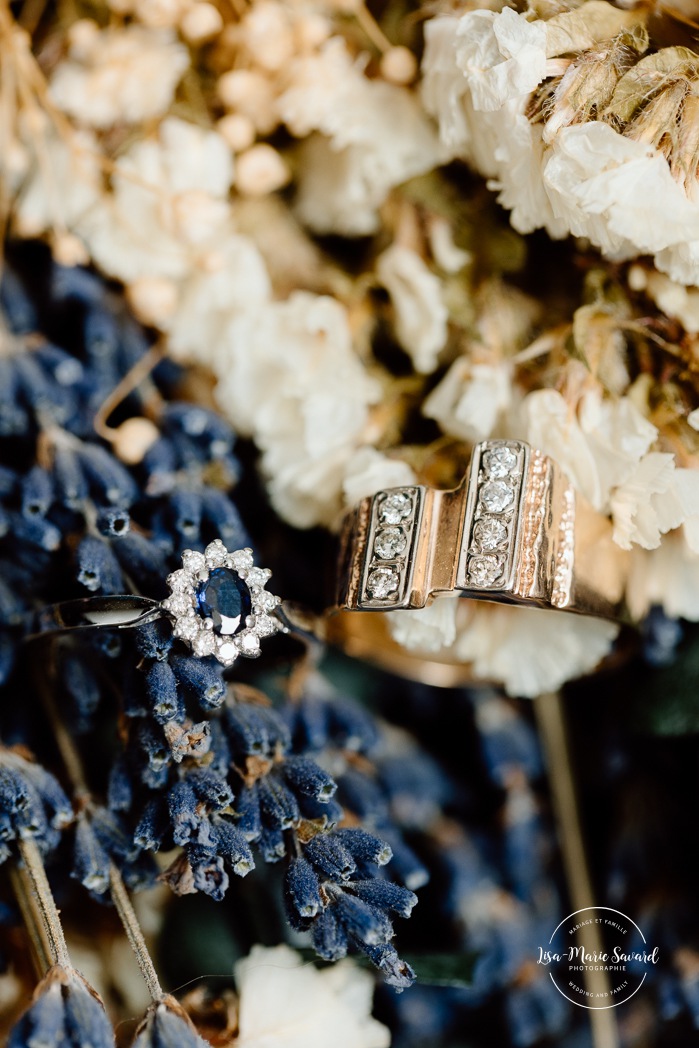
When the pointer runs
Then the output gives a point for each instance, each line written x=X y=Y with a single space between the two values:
x=197 y=630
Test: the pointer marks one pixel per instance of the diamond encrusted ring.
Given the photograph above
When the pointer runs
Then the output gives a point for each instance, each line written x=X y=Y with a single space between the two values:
x=513 y=532
x=218 y=605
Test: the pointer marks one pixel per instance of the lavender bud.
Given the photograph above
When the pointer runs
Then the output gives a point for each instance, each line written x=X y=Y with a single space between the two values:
x=161 y=688
x=113 y=521
x=98 y=567
x=36 y=492
x=302 y=888
x=385 y=895
x=308 y=778
x=397 y=973
x=231 y=844
x=329 y=937
x=167 y=1025
x=364 y=847
x=202 y=679
x=327 y=853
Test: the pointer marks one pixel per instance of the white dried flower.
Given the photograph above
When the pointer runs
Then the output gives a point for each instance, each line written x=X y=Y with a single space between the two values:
x=368 y=471
x=445 y=252
x=501 y=54
x=470 y=399
x=425 y=630
x=655 y=499
x=373 y=136
x=667 y=576
x=288 y=1003
x=266 y=33
x=416 y=294
x=63 y=184
x=119 y=76
x=444 y=88
x=512 y=645
x=160 y=14
x=252 y=94
x=673 y=299
x=599 y=446
x=553 y=165
x=289 y=377
x=169 y=198
x=599 y=184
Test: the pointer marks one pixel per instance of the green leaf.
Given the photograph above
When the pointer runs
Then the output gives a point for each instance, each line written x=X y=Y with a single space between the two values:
x=432 y=969
x=666 y=701
x=443 y=969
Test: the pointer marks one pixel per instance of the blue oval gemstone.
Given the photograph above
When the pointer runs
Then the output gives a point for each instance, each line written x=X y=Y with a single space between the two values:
x=225 y=599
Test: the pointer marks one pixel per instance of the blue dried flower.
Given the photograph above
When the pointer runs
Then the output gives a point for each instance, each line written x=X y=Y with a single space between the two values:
x=65 y=1013
x=167 y=1025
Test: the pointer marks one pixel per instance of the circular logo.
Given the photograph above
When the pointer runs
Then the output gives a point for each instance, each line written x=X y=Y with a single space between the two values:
x=598 y=957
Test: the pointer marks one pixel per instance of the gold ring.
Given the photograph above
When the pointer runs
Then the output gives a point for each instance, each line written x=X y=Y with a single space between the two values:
x=513 y=532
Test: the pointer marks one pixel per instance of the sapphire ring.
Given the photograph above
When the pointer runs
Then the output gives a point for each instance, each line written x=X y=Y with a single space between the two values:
x=218 y=605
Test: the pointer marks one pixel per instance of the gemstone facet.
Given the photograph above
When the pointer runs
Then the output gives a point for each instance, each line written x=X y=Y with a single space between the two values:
x=499 y=461
x=225 y=599
x=382 y=582
x=496 y=496
x=484 y=571
x=396 y=508
x=389 y=543
x=489 y=533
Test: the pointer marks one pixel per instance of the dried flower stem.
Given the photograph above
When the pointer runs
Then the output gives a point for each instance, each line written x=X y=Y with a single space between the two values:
x=131 y=380
x=31 y=916
x=120 y=896
x=551 y=721
x=39 y=908
x=128 y=918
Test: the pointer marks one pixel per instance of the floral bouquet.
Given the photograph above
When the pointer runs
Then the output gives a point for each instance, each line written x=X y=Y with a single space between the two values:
x=287 y=278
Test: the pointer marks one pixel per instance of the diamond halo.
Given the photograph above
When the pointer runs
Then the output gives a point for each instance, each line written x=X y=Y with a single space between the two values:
x=198 y=630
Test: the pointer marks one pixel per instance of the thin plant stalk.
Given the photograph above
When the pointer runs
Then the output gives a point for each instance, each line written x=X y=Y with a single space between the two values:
x=127 y=916
x=550 y=716
x=39 y=900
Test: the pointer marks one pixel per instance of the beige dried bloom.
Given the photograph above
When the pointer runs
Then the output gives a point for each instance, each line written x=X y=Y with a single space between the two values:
x=115 y=76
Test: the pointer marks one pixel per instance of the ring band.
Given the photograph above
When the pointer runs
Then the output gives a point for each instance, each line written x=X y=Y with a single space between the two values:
x=514 y=532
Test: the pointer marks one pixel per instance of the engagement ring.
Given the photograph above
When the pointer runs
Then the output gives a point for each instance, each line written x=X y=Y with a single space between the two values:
x=218 y=606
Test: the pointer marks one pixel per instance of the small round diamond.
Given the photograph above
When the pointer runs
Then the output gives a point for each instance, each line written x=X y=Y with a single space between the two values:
x=216 y=554
x=241 y=559
x=266 y=601
x=187 y=628
x=226 y=651
x=249 y=643
x=179 y=581
x=396 y=508
x=484 y=571
x=193 y=561
x=382 y=583
x=257 y=576
x=496 y=496
x=489 y=532
x=390 y=542
x=204 y=643
x=265 y=626
x=499 y=461
x=178 y=604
